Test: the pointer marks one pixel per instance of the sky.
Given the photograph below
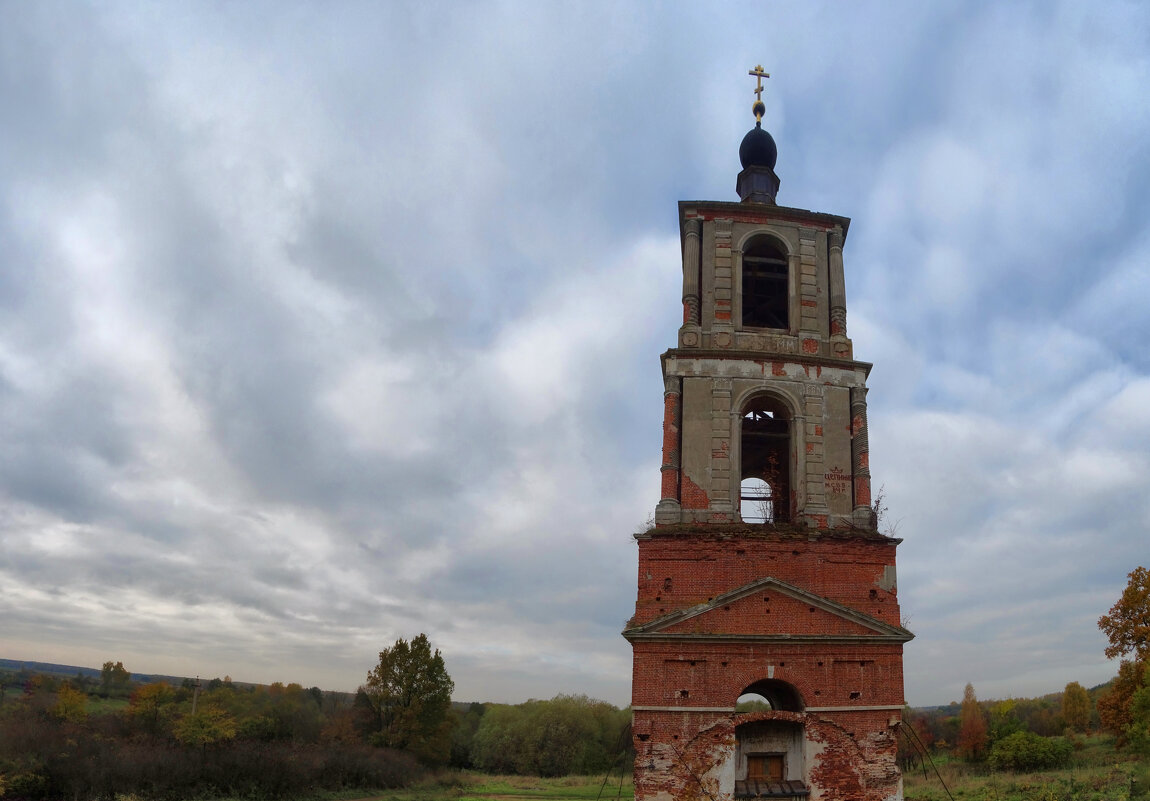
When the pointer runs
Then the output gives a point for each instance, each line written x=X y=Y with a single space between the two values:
x=326 y=324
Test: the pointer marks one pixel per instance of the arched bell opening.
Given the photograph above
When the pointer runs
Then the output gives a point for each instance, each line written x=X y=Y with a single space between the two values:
x=765 y=461
x=765 y=284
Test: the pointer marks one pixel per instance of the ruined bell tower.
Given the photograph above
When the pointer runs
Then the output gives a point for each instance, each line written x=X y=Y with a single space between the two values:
x=764 y=576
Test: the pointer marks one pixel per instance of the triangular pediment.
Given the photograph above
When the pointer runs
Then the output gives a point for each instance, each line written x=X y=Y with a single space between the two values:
x=770 y=609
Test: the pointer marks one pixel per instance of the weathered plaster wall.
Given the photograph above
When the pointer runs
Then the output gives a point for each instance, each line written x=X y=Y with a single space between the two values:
x=696 y=756
x=770 y=737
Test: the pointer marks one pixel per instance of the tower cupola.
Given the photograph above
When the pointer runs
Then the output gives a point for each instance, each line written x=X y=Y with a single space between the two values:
x=757 y=183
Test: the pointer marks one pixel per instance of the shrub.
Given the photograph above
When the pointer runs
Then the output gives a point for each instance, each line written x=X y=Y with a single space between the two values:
x=1024 y=751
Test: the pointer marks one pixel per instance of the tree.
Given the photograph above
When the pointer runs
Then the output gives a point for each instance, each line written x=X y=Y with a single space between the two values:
x=972 y=729
x=463 y=734
x=209 y=725
x=568 y=734
x=1003 y=720
x=114 y=679
x=1138 y=730
x=150 y=707
x=409 y=695
x=71 y=704
x=501 y=742
x=1114 y=708
x=1128 y=624
x=1076 y=706
x=1128 y=629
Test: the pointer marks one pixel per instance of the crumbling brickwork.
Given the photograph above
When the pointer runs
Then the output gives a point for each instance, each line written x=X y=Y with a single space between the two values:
x=723 y=610
x=693 y=756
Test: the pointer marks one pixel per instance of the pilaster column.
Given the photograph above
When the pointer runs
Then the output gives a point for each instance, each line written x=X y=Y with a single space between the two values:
x=808 y=294
x=667 y=512
x=838 y=285
x=693 y=229
x=860 y=459
x=722 y=326
x=722 y=503
x=814 y=510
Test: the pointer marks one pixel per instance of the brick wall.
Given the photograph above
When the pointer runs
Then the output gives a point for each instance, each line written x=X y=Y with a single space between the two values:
x=688 y=674
x=678 y=571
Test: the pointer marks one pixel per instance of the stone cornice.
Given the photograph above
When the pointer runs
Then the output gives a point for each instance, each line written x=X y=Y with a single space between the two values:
x=763 y=356
x=634 y=635
x=761 y=213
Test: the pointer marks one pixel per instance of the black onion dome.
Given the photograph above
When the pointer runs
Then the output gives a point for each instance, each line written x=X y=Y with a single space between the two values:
x=758 y=149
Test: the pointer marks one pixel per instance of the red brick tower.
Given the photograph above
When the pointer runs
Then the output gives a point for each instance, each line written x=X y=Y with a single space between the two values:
x=764 y=574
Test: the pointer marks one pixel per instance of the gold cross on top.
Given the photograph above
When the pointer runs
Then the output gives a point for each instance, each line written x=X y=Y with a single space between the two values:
x=759 y=75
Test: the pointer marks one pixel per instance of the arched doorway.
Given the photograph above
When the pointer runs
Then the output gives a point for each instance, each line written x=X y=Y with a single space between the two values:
x=769 y=757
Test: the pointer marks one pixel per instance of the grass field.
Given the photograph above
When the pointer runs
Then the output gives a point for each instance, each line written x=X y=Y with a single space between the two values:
x=1076 y=784
x=477 y=787
x=100 y=706
x=1097 y=773
x=1117 y=781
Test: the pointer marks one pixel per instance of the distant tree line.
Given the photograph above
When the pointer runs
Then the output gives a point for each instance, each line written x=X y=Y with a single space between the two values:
x=60 y=738
x=89 y=737
x=1038 y=733
x=1010 y=734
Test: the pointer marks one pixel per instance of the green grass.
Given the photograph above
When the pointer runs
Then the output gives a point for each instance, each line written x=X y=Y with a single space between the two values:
x=102 y=706
x=478 y=787
x=528 y=787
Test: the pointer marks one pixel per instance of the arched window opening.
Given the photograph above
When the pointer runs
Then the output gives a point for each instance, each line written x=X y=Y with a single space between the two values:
x=765 y=453
x=766 y=296
x=777 y=695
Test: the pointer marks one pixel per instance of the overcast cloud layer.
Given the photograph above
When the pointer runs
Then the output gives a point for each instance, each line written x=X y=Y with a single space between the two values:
x=327 y=324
